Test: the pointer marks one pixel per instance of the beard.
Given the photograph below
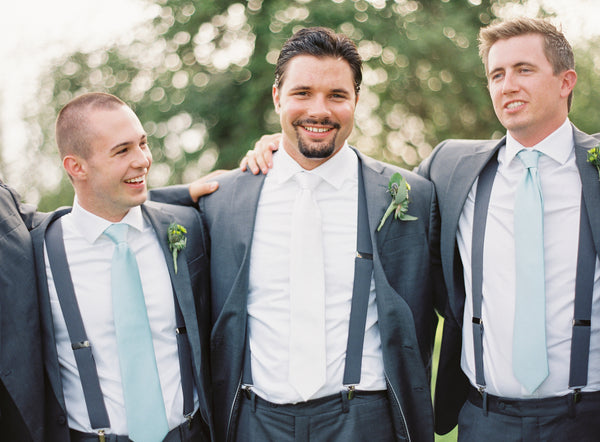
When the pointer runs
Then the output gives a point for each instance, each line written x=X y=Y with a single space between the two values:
x=310 y=149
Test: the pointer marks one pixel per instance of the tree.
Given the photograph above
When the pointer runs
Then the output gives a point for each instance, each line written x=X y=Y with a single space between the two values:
x=200 y=77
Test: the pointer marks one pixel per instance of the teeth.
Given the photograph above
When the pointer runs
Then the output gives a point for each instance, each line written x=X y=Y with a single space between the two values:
x=316 y=129
x=137 y=180
x=514 y=104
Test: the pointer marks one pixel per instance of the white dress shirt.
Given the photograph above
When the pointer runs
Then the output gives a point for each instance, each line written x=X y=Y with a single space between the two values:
x=268 y=297
x=89 y=254
x=561 y=188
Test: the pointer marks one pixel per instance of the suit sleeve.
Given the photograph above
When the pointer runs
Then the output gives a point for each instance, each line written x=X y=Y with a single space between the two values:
x=179 y=195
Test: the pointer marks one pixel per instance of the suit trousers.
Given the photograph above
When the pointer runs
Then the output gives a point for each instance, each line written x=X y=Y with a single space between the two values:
x=511 y=420
x=194 y=431
x=365 y=417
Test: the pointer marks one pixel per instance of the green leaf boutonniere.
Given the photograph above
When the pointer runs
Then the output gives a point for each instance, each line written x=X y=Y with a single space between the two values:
x=398 y=188
x=594 y=158
x=177 y=240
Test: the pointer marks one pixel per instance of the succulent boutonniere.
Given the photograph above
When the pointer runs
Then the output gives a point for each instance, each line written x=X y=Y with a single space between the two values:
x=594 y=158
x=398 y=188
x=177 y=240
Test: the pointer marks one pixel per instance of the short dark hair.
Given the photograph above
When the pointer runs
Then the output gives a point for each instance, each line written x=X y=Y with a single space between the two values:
x=319 y=42
x=557 y=49
x=73 y=134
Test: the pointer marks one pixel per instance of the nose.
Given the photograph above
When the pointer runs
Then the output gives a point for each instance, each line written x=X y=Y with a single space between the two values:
x=319 y=106
x=142 y=158
x=510 y=83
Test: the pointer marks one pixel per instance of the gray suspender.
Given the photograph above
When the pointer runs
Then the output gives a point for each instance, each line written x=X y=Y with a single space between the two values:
x=363 y=269
x=586 y=265
x=82 y=349
x=94 y=400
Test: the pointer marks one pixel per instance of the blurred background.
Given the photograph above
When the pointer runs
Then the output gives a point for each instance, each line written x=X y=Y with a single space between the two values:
x=199 y=75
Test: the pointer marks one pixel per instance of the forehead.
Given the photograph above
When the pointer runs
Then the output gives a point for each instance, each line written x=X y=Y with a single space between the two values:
x=528 y=48
x=114 y=122
x=311 y=71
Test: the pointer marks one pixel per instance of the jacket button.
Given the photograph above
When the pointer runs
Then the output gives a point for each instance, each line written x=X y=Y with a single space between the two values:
x=61 y=420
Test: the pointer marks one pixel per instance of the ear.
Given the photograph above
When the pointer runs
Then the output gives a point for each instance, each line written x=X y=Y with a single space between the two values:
x=75 y=166
x=276 y=98
x=569 y=79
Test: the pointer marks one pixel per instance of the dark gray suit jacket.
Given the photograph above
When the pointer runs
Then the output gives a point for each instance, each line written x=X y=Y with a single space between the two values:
x=403 y=282
x=191 y=286
x=453 y=167
x=21 y=373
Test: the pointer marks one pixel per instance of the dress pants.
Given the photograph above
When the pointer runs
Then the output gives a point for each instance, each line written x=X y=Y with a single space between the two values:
x=543 y=420
x=365 y=417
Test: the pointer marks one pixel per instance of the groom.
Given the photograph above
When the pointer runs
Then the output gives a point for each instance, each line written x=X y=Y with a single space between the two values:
x=360 y=370
x=114 y=294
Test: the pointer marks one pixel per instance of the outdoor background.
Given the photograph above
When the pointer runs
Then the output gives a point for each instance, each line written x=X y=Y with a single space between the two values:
x=199 y=76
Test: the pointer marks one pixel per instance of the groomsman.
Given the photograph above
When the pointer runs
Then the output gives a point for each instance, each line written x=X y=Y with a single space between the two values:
x=123 y=291
x=519 y=245
x=322 y=312
x=21 y=373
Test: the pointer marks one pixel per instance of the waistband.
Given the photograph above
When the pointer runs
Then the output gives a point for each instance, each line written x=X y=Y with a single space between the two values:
x=194 y=427
x=316 y=406
x=550 y=406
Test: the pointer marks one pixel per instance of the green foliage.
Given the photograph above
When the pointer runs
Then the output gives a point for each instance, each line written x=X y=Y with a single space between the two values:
x=200 y=77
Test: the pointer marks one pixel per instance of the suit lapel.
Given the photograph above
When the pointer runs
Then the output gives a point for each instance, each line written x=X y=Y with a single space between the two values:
x=589 y=182
x=452 y=200
x=181 y=280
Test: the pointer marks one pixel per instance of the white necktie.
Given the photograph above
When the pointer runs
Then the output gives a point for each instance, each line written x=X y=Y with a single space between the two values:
x=307 y=292
x=530 y=360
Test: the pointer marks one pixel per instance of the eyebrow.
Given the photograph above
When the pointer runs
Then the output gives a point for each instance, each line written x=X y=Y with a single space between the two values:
x=127 y=143
x=516 y=65
x=305 y=88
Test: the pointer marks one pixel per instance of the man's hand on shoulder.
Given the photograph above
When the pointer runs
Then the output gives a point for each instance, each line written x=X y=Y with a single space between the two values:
x=205 y=185
x=260 y=159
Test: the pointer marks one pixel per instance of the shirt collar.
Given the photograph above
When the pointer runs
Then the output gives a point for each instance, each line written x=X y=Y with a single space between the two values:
x=337 y=169
x=558 y=145
x=92 y=226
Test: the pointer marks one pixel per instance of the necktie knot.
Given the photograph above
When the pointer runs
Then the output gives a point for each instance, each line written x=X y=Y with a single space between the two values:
x=117 y=232
x=307 y=181
x=529 y=158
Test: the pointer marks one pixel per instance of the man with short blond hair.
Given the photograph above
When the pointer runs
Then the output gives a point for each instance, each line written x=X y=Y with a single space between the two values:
x=521 y=304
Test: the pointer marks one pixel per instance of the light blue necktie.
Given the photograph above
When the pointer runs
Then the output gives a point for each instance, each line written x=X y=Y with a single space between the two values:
x=144 y=405
x=530 y=361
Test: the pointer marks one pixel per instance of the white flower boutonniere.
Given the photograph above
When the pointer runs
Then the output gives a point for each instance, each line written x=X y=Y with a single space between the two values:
x=177 y=240
x=398 y=189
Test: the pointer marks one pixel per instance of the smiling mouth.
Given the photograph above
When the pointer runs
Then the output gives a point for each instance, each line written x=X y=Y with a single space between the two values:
x=514 y=105
x=318 y=130
x=136 y=180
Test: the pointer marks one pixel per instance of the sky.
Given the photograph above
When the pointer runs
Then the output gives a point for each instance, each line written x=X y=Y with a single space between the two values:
x=35 y=33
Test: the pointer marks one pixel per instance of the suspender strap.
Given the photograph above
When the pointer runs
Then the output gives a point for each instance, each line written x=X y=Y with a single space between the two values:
x=185 y=363
x=94 y=400
x=482 y=200
x=584 y=289
x=363 y=270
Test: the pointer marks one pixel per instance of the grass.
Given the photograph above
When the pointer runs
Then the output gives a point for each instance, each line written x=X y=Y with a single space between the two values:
x=452 y=436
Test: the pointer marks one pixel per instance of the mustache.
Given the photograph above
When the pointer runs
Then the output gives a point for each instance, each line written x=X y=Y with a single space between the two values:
x=310 y=121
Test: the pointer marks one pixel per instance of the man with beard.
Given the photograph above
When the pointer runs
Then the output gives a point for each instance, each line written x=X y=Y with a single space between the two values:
x=316 y=331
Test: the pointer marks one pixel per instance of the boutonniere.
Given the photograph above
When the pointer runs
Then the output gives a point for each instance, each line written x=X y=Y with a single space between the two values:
x=398 y=189
x=594 y=158
x=177 y=240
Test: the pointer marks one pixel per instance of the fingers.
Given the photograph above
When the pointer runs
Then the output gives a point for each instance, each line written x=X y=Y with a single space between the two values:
x=205 y=185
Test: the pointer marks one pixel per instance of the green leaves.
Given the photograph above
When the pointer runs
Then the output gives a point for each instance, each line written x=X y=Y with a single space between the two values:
x=177 y=240
x=398 y=189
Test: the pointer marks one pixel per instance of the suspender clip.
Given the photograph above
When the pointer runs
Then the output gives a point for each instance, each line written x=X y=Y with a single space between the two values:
x=188 y=419
x=101 y=437
x=484 y=397
x=574 y=397
x=247 y=390
x=79 y=345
